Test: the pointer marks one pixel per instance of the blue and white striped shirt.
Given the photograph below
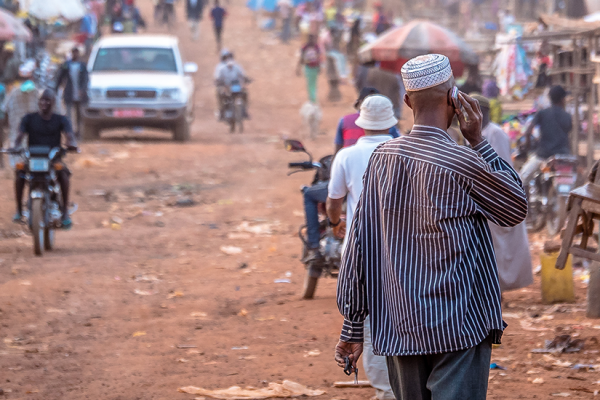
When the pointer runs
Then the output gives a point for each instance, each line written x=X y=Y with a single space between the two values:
x=420 y=259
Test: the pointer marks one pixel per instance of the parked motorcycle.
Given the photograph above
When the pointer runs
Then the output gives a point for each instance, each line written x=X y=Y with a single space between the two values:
x=330 y=246
x=45 y=199
x=234 y=106
x=548 y=192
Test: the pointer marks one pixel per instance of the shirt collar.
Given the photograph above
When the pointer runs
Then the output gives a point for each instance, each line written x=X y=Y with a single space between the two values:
x=430 y=131
x=373 y=138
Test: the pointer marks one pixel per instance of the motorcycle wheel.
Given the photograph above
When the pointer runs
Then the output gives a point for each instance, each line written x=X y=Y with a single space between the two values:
x=239 y=117
x=48 y=238
x=557 y=212
x=37 y=226
x=310 y=286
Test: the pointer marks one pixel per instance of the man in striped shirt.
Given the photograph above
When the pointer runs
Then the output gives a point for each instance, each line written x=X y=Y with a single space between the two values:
x=420 y=259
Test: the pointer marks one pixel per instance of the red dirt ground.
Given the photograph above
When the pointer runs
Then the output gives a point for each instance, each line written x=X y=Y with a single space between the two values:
x=73 y=326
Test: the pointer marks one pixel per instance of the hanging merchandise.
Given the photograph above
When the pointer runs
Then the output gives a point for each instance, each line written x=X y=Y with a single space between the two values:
x=513 y=69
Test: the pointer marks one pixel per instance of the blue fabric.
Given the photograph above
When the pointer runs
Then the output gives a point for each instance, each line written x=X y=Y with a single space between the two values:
x=339 y=134
x=312 y=197
x=87 y=25
x=267 y=5
x=218 y=14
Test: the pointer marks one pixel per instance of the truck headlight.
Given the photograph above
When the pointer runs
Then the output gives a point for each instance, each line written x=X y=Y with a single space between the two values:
x=171 y=94
x=95 y=94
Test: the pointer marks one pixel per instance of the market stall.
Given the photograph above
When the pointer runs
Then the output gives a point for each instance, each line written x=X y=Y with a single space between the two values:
x=416 y=38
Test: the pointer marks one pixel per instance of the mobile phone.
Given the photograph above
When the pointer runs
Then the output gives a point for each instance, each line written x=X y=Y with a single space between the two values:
x=454 y=97
x=455 y=100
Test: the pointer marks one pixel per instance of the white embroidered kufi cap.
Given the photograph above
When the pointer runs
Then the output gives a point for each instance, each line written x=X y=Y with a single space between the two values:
x=424 y=72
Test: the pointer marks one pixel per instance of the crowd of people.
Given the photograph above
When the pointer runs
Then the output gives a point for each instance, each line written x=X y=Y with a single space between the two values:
x=434 y=229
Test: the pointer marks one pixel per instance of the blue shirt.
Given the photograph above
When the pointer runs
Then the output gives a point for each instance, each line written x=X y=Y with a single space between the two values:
x=218 y=14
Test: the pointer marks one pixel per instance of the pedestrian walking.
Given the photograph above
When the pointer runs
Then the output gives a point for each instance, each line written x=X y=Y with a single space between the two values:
x=310 y=58
x=218 y=15
x=74 y=75
x=376 y=120
x=194 y=14
x=22 y=100
x=286 y=11
x=419 y=259
x=511 y=244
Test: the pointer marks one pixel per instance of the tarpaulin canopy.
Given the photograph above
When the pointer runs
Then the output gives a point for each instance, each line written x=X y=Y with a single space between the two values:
x=71 y=10
x=417 y=38
x=12 y=28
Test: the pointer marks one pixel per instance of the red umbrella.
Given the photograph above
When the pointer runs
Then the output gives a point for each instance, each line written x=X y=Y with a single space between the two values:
x=417 y=38
x=12 y=28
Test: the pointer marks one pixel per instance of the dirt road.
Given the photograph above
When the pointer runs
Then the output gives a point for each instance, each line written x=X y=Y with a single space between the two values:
x=102 y=317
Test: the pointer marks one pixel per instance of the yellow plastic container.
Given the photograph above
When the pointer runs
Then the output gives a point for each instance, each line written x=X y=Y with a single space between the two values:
x=557 y=285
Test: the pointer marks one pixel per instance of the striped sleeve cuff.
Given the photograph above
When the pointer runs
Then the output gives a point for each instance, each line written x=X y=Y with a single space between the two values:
x=352 y=332
x=486 y=151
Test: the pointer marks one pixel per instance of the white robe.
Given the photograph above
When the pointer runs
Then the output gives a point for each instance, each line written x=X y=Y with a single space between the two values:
x=510 y=244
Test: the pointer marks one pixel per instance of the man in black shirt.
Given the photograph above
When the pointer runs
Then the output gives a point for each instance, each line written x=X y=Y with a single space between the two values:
x=44 y=128
x=555 y=124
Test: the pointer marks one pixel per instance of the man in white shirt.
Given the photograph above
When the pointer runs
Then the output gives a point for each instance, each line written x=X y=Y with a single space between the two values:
x=347 y=170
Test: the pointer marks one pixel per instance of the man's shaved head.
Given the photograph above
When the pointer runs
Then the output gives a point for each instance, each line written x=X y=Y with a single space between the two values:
x=432 y=100
x=426 y=97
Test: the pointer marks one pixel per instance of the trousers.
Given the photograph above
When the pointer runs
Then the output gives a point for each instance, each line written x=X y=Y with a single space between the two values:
x=195 y=28
x=312 y=75
x=74 y=108
x=530 y=168
x=313 y=195
x=458 y=375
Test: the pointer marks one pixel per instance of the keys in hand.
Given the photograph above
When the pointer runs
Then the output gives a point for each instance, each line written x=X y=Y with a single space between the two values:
x=348 y=369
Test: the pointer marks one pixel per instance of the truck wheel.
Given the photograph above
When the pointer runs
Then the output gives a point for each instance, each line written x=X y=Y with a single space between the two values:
x=89 y=132
x=181 y=131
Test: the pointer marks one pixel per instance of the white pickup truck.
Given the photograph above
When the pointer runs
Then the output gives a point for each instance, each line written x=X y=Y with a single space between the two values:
x=139 y=81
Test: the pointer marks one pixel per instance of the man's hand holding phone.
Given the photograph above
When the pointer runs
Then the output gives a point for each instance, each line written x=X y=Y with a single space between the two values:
x=470 y=118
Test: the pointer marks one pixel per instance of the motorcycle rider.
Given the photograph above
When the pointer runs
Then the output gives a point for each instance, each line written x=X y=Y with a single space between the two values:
x=44 y=128
x=347 y=170
x=348 y=133
x=227 y=72
x=555 y=124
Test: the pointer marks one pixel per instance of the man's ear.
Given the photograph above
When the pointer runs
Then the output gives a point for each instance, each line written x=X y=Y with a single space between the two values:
x=407 y=101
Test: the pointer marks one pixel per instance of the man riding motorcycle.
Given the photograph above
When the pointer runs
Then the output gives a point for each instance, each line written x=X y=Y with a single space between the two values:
x=347 y=135
x=44 y=128
x=225 y=75
x=555 y=124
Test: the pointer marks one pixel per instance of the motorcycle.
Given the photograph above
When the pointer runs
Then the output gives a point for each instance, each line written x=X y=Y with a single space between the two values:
x=234 y=106
x=329 y=245
x=548 y=193
x=44 y=201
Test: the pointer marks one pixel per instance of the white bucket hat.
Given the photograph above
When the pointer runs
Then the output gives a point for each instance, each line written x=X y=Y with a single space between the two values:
x=376 y=113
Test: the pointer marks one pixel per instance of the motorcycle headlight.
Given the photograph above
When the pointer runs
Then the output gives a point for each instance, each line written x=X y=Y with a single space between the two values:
x=171 y=94
x=95 y=94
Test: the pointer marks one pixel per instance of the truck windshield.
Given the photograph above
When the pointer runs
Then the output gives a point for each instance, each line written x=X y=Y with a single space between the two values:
x=135 y=59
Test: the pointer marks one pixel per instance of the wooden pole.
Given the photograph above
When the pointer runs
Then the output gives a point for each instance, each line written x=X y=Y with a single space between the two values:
x=591 y=108
x=575 y=132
